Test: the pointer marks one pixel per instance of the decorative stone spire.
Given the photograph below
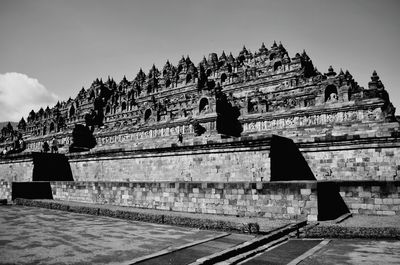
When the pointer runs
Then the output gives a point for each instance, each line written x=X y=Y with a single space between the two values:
x=187 y=60
x=244 y=51
x=263 y=49
x=305 y=56
x=274 y=45
x=348 y=75
x=140 y=77
x=244 y=54
x=9 y=127
x=22 y=124
x=281 y=48
x=375 y=82
x=153 y=73
x=182 y=61
x=124 y=82
x=167 y=68
x=331 y=72
x=204 y=61
x=222 y=57
x=231 y=59
x=375 y=76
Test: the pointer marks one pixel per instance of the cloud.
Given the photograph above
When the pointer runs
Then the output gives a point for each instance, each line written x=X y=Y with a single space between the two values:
x=19 y=94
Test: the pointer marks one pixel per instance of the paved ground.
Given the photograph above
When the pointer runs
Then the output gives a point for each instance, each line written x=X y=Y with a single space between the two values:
x=284 y=253
x=356 y=251
x=191 y=254
x=42 y=236
x=196 y=220
x=331 y=252
x=30 y=235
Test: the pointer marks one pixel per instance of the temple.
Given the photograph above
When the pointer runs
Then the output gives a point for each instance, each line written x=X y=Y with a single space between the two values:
x=257 y=134
x=260 y=93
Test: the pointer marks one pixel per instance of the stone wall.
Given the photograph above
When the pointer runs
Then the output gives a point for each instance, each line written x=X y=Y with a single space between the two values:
x=16 y=168
x=224 y=165
x=5 y=190
x=224 y=160
x=371 y=197
x=278 y=200
x=360 y=162
x=330 y=160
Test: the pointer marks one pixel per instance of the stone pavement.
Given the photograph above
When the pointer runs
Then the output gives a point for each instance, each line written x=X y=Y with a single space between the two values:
x=283 y=254
x=329 y=252
x=196 y=220
x=31 y=235
x=356 y=251
x=42 y=236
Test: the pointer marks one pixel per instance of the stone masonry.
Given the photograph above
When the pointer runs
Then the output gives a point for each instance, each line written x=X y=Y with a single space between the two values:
x=196 y=138
x=251 y=199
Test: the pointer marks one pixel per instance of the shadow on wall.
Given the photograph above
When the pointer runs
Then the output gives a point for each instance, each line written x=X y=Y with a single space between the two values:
x=288 y=164
x=330 y=203
x=31 y=190
x=46 y=167
x=51 y=167
x=227 y=116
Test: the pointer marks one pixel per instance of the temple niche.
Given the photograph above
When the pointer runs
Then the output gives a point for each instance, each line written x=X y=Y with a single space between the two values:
x=223 y=95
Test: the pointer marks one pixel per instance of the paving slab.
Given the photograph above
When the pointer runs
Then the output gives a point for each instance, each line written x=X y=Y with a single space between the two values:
x=41 y=236
x=197 y=220
x=283 y=253
x=356 y=251
x=191 y=254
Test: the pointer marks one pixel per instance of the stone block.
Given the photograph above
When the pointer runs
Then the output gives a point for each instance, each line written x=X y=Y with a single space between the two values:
x=312 y=218
x=387 y=201
x=305 y=191
x=388 y=213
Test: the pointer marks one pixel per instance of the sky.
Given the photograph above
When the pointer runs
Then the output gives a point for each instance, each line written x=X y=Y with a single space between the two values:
x=50 y=49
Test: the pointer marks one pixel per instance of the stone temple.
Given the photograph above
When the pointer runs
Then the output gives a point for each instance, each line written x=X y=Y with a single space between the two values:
x=200 y=138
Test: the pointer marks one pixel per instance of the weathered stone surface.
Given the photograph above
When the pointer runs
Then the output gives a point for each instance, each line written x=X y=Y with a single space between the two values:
x=270 y=93
x=147 y=130
x=5 y=190
x=371 y=197
x=274 y=201
x=199 y=221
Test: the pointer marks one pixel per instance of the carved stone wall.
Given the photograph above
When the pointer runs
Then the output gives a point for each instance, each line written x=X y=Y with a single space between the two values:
x=271 y=92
